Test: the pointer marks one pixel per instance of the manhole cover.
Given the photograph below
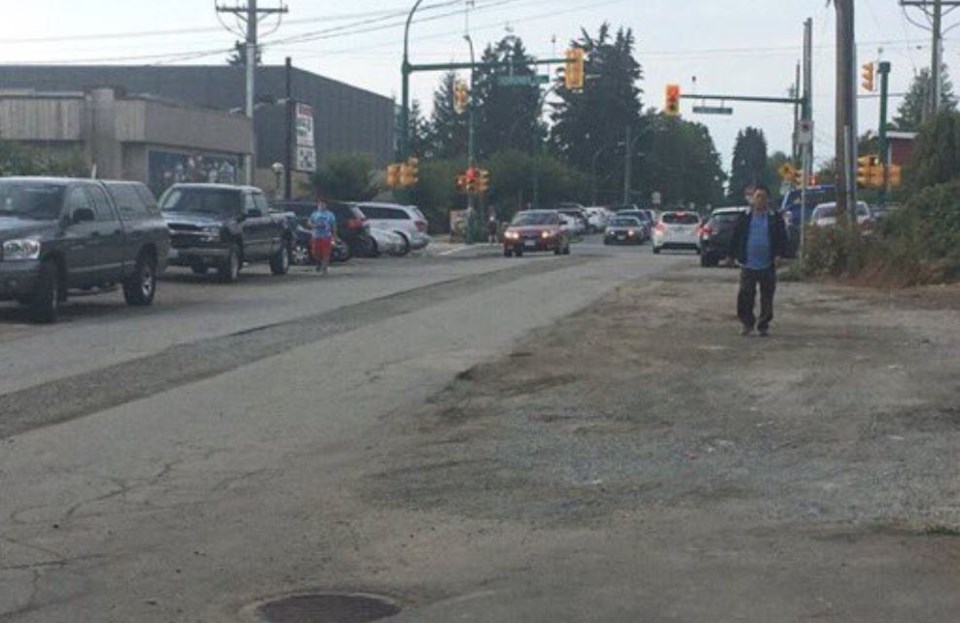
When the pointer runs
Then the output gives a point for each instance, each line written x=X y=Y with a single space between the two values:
x=327 y=608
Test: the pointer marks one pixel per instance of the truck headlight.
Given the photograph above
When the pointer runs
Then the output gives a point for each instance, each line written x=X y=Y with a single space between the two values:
x=21 y=250
x=212 y=232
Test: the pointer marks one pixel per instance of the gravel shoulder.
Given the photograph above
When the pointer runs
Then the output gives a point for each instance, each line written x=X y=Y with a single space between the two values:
x=679 y=471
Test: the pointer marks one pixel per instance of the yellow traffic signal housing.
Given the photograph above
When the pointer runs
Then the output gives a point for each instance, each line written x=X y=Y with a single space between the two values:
x=393 y=175
x=893 y=175
x=672 y=100
x=573 y=74
x=470 y=180
x=461 y=97
x=409 y=172
x=461 y=184
x=867 y=74
x=865 y=167
x=483 y=181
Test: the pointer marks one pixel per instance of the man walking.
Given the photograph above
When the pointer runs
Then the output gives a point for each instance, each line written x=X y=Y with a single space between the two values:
x=324 y=225
x=759 y=242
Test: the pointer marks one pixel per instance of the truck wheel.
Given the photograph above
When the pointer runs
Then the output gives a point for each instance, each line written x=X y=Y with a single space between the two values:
x=280 y=262
x=229 y=269
x=300 y=255
x=44 y=303
x=140 y=288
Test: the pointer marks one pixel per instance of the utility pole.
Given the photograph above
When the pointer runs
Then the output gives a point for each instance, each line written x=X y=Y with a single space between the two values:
x=288 y=145
x=795 y=93
x=627 y=163
x=846 y=119
x=936 y=57
x=884 y=71
x=806 y=114
x=250 y=15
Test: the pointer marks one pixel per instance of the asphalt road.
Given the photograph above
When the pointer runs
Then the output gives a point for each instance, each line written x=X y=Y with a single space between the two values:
x=183 y=462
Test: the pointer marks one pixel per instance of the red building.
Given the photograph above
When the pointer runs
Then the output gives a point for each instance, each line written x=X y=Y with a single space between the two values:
x=900 y=145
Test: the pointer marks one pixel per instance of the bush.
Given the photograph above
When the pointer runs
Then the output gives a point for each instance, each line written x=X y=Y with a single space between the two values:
x=835 y=251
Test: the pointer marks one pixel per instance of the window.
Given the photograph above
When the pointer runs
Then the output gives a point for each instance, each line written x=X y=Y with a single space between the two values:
x=396 y=214
x=680 y=218
x=373 y=213
x=128 y=200
x=76 y=198
x=216 y=201
x=260 y=203
x=101 y=203
x=248 y=203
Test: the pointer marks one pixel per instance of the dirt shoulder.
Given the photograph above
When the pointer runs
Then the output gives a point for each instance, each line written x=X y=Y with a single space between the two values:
x=643 y=461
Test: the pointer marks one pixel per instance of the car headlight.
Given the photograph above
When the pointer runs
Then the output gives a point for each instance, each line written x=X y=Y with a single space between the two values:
x=211 y=232
x=512 y=235
x=21 y=250
x=546 y=234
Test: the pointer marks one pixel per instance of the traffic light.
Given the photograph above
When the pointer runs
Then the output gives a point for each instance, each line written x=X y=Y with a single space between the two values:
x=573 y=71
x=865 y=170
x=393 y=175
x=483 y=181
x=672 y=104
x=409 y=172
x=893 y=175
x=461 y=97
x=470 y=180
x=461 y=184
x=867 y=72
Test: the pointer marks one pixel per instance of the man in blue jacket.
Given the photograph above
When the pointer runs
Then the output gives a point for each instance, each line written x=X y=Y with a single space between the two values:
x=759 y=242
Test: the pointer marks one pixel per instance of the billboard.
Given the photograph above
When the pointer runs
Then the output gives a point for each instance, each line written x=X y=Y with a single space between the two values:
x=170 y=167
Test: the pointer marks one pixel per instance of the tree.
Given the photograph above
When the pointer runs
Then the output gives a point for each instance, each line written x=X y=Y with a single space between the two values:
x=776 y=160
x=447 y=132
x=589 y=124
x=15 y=159
x=911 y=112
x=680 y=162
x=507 y=117
x=749 y=163
x=936 y=153
x=419 y=132
x=238 y=58
x=346 y=177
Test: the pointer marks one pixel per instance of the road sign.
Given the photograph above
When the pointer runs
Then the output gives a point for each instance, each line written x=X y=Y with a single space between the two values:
x=712 y=110
x=522 y=80
x=787 y=171
x=805 y=132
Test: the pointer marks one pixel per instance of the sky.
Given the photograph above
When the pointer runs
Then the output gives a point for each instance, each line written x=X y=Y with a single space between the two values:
x=736 y=47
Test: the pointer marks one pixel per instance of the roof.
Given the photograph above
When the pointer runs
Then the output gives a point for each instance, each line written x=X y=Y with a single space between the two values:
x=730 y=210
x=903 y=136
x=215 y=186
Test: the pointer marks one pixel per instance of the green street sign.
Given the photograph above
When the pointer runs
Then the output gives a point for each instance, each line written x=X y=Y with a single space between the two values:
x=712 y=110
x=522 y=81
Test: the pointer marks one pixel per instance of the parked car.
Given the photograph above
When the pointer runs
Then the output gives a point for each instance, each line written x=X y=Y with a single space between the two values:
x=352 y=226
x=223 y=227
x=624 y=230
x=716 y=234
x=302 y=254
x=677 y=230
x=535 y=230
x=598 y=217
x=581 y=222
x=387 y=241
x=407 y=221
x=58 y=234
x=825 y=215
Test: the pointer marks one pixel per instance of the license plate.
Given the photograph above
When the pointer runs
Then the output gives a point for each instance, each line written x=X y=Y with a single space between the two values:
x=173 y=254
x=621 y=237
x=530 y=243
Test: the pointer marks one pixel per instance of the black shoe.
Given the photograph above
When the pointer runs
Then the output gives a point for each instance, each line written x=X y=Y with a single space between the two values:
x=764 y=332
x=746 y=330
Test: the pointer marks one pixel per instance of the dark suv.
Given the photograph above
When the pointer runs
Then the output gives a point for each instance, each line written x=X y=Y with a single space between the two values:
x=59 y=234
x=716 y=234
x=351 y=223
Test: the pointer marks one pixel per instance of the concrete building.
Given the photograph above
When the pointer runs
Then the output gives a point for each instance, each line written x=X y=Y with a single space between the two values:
x=135 y=138
x=346 y=118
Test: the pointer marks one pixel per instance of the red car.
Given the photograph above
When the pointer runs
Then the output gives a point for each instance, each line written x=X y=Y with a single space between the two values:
x=535 y=230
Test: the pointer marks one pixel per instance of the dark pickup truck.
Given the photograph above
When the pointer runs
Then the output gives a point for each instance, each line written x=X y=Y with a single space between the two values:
x=58 y=234
x=222 y=227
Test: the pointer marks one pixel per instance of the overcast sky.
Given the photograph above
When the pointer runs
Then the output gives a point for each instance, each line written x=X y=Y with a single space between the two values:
x=743 y=47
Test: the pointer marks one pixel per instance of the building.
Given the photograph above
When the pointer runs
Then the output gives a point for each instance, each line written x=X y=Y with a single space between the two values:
x=136 y=138
x=900 y=145
x=346 y=118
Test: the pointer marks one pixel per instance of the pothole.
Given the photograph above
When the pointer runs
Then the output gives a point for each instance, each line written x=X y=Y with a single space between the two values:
x=327 y=608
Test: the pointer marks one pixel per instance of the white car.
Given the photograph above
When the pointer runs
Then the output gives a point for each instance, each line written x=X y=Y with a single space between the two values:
x=825 y=215
x=387 y=242
x=407 y=221
x=677 y=230
x=569 y=225
x=598 y=217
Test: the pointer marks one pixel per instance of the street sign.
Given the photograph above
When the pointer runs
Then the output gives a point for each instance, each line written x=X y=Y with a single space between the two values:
x=306 y=152
x=805 y=132
x=712 y=110
x=787 y=171
x=522 y=80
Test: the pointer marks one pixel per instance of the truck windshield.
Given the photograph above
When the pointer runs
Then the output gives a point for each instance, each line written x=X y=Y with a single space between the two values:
x=32 y=200
x=213 y=201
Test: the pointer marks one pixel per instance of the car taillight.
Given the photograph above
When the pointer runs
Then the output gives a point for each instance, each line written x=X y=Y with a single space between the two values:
x=706 y=232
x=421 y=226
x=660 y=228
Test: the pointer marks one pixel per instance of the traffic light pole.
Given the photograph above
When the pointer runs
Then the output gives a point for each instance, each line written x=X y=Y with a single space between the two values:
x=884 y=70
x=405 y=71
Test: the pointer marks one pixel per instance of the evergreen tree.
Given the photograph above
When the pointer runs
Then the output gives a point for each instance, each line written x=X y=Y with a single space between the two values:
x=420 y=144
x=507 y=117
x=447 y=132
x=910 y=113
x=590 y=126
x=749 y=163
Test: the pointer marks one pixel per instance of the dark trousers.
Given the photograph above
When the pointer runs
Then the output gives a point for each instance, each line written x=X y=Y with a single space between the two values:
x=747 y=297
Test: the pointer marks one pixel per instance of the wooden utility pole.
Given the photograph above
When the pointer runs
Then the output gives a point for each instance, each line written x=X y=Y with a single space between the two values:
x=846 y=119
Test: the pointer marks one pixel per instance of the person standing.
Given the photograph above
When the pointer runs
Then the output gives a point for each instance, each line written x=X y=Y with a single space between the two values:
x=324 y=225
x=492 y=229
x=759 y=242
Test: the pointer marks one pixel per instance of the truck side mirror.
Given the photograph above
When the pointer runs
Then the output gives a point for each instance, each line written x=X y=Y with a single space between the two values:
x=83 y=215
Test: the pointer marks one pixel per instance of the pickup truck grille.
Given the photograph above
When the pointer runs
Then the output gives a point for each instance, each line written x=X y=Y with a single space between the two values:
x=177 y=227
